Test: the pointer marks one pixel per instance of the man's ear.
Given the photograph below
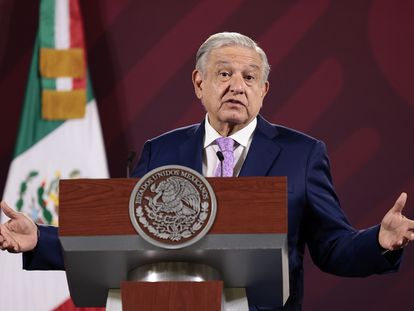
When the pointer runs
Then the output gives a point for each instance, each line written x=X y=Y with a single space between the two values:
x=265 y=89
x=197 y=78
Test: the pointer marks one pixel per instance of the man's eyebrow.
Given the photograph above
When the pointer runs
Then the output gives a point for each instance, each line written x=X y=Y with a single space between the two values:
x=254 y=66
x=224 y=62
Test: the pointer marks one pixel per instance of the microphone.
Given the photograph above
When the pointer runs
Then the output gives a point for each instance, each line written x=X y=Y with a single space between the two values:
x=130 y=160
x=220 y=156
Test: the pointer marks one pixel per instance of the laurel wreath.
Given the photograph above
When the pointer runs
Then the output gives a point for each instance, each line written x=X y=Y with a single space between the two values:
x=23 y=189
x=47 y=215
x=173 y=236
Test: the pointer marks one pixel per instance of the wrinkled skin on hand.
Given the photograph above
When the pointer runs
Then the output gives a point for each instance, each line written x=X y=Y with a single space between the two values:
x=19 y=233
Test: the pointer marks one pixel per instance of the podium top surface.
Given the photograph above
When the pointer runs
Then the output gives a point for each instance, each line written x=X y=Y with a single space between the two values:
x=94 y=207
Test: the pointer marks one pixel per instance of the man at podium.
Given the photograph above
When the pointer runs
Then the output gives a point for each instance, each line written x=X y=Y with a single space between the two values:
x=230 y=79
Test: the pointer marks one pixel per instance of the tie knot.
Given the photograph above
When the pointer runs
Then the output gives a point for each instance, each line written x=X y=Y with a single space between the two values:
x=225 y=143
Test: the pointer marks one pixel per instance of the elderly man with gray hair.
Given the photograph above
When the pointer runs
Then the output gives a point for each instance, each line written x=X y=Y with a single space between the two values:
x=231 y=80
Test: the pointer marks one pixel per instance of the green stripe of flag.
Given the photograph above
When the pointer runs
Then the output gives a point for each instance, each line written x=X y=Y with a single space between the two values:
x=32 y=126
x=49 y=84
x=47 y=24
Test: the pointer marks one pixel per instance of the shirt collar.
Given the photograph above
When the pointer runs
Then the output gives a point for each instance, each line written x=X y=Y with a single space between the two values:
x=241 y=137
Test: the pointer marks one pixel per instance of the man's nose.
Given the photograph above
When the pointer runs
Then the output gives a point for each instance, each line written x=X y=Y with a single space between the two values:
x=237 y=84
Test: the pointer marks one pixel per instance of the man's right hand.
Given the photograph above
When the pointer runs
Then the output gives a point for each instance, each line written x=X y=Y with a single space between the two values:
x=19 y=233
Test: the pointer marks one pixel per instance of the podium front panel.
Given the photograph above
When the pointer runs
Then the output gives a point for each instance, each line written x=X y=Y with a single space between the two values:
x=247 y=243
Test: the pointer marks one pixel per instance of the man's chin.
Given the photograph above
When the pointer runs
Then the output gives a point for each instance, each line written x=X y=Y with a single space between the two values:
x=236 y=121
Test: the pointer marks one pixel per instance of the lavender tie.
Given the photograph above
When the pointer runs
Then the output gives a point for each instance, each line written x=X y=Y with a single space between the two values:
x=226 y=145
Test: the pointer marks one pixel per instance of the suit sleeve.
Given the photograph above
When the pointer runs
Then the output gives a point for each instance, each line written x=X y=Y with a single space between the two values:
x=335 y=246
x=47 y=254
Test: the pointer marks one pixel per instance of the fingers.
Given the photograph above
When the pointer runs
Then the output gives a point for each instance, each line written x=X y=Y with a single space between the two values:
x=400 y=203
x=401 y=238
x=409 y=235
x=8 y=211
x=1 y=237
x=7 y=241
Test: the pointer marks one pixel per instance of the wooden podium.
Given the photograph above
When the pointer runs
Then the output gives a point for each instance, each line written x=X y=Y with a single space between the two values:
x=247 y=245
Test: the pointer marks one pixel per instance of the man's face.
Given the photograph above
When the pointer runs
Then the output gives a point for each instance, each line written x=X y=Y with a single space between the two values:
x=231 y=87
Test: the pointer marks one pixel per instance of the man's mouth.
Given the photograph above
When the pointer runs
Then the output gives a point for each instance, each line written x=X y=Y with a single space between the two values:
x=234 y=101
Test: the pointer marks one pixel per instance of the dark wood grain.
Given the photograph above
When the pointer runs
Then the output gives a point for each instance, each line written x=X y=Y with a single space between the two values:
x=171 y=296
x=101 y=206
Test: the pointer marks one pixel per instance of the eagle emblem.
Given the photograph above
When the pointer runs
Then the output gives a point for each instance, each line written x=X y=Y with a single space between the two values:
x=175 y=195
x=172 y=206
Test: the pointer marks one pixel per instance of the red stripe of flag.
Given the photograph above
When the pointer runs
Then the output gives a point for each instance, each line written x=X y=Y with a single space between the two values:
x=76 y=37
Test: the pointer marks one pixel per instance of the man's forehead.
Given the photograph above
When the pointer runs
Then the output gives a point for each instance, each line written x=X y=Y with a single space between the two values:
x=234 y=54
x=220 y=63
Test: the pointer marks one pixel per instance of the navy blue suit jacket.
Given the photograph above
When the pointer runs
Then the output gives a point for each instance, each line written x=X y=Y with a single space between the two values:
x=315 y=217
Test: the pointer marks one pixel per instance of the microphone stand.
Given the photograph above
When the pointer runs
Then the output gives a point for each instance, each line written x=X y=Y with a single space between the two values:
x=220 y=156
x=130 y=160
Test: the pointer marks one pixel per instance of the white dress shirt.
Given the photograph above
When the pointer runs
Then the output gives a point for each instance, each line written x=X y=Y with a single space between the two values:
x=242 y=141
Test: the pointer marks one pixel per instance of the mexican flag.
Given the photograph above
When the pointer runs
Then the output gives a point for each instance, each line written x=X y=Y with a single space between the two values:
x=59 y=137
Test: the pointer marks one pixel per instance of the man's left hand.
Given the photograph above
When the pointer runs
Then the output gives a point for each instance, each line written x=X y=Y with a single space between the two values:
x=396 y=230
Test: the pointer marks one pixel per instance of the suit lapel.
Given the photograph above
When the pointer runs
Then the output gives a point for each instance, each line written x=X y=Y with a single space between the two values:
x=262 y=153
x=191 y=151
x=263 y=150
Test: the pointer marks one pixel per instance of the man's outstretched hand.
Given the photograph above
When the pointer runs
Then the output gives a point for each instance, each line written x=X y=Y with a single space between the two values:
x=19 y=233
x=396 y=230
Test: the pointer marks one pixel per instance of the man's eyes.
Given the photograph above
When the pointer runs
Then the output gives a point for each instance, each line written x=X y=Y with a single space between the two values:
x=249 y=77
x=227 y=74
x=224 y=74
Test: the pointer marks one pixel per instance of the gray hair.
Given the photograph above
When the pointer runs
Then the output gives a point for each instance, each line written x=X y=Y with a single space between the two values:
x=223 y=39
